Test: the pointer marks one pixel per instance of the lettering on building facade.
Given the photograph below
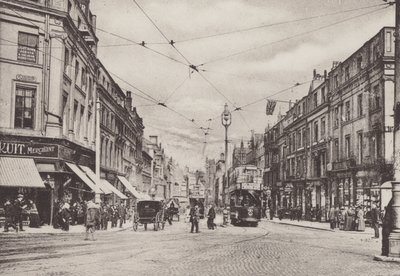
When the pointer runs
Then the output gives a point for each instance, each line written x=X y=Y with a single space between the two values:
x=28 y=149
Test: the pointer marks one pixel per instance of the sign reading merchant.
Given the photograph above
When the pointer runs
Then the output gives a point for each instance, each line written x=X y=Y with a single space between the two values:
x=28 y=149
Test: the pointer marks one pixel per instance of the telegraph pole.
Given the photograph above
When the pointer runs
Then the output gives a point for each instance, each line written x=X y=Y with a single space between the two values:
x=394 y=237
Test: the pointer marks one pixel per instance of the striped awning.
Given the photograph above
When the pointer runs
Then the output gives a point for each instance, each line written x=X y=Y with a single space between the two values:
x=95 y=179
x=78 y=172
x=113 y=189
x=129 y=187
x=19 y=172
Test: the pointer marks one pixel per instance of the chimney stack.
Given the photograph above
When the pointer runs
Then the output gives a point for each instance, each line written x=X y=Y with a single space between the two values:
x=314 y=73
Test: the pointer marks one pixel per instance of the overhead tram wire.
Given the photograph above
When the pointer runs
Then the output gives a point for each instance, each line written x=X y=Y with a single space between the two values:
x=191 y=66
x=277 y=23
x=176 y=89
x=171 y=42
x=292 y=37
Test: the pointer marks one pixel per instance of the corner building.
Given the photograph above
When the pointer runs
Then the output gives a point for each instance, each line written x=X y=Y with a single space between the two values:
x=47 y=100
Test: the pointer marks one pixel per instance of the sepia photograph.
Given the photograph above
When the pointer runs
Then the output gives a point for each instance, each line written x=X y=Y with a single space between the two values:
x=199 y=137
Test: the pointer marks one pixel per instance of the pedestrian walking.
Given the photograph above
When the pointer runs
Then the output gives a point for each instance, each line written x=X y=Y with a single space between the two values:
x=122 y=215
x=194 y=218
x=211 y=217
x=34 y=220
x=360 y=222
x=92 y=218
x=349 y=219
x=104 y=217
x=65 y=216
x=187 y=214
x=342 y=218
x=337 y=217
x=19 y=205
x=375 y=217
x=9 y=213
x=299 y=213
x=332 y=217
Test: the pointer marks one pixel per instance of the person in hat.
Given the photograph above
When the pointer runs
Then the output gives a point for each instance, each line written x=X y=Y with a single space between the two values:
x=92 y=219
x=194 y=218
x=9 y=213
x=19 y=205
x=360 y=222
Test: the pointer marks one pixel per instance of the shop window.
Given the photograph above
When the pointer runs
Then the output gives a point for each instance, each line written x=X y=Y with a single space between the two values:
x=24 y=107
x=27 y=47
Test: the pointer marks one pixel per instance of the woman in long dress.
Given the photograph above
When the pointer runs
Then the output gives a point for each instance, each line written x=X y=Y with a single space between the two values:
x=34 y=220
x=349 y=220
x=360 y=220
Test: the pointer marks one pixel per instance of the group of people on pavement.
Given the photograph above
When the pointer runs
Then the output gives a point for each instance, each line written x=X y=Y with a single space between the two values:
x=14 y=211
x=347 y=218
x=75 y=213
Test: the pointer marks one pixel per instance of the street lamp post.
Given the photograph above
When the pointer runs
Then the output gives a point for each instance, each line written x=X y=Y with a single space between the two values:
x=226 y=120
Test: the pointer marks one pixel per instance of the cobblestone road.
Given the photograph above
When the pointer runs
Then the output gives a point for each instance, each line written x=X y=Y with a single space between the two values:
x=270 y=249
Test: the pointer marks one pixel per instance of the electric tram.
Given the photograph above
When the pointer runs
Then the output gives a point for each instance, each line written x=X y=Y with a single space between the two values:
x=245 y=195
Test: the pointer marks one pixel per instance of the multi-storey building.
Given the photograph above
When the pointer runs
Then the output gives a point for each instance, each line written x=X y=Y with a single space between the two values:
x=47 y=99
x=361 y=119
x=147 y=171
x=121 y=134
x=336 y=143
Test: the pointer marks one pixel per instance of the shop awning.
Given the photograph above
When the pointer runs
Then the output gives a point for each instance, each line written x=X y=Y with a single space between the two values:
x=19 y=172
x=95 y=179
x=113 y=189
x=84 y=178
x=129 y=187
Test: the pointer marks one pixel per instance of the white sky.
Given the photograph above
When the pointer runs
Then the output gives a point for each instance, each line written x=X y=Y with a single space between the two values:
x=242 y=78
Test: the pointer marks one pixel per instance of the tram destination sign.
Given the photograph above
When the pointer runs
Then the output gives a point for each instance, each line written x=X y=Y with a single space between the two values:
x=28 y=149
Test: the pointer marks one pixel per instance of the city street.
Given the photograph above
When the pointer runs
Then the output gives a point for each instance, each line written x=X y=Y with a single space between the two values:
x=269 y=249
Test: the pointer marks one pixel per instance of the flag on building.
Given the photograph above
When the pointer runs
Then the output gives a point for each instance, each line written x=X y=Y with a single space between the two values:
x=270 y=107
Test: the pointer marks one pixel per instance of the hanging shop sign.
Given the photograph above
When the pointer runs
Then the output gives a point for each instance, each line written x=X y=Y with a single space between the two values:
x=28 y=149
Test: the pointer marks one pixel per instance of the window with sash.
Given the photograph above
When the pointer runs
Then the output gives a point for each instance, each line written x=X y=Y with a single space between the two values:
x=24 y=107
x=27 y=47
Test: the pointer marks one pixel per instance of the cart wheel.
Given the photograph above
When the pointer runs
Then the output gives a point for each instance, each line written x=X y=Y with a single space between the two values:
x=145 y=226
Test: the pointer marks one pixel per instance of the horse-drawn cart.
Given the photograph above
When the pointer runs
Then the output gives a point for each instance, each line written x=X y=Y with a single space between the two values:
x=147 y=212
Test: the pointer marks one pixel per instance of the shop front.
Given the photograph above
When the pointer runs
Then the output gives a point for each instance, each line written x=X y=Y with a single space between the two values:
x=54 y=161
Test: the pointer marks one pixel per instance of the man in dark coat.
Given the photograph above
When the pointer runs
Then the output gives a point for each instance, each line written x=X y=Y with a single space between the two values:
x=211 y=217
x=194 y=218
x=375 y=215
x=9 y=213
x=19 y=205
x=122 y=215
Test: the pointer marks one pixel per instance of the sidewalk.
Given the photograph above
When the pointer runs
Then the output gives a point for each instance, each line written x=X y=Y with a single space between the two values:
x=46 y=229
x=323 y=226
